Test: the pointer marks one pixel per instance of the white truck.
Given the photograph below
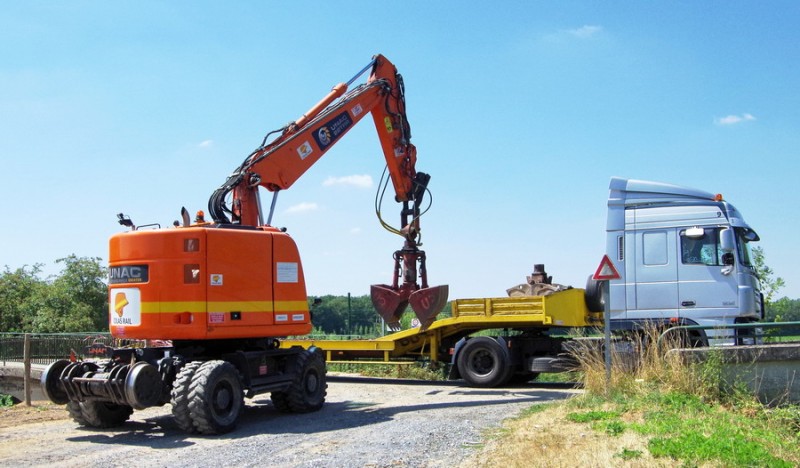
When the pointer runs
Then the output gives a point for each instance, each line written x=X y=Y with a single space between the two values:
x=684 y=258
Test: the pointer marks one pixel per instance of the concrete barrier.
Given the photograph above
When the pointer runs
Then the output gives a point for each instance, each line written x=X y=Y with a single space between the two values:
x=12 y=380
x=770 y=372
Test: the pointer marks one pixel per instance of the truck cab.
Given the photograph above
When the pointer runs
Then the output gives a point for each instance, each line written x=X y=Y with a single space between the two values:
x=683 y=256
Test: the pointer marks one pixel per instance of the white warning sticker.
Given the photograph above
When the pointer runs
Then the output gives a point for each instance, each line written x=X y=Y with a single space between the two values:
x=287 y=272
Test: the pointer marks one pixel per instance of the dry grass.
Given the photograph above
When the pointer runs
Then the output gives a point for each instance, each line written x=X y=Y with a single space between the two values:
x=551 y=438
x=548 y=439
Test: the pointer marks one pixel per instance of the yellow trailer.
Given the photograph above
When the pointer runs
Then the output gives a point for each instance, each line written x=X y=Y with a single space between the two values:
x=525 y=349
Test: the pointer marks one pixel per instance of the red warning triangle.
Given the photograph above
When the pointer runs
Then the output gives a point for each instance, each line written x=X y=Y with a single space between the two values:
x=606 y=270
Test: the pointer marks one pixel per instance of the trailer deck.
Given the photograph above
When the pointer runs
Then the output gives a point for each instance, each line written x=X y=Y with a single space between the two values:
x=562 y=309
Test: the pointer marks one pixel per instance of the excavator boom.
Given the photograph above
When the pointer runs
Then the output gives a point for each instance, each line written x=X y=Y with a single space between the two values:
x=278 y=164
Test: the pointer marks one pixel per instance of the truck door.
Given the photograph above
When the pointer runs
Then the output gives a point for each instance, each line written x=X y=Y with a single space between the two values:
x=707 y=288
x=656 y=279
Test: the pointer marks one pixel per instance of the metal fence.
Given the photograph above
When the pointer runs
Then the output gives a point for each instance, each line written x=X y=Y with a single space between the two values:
x=46 y=348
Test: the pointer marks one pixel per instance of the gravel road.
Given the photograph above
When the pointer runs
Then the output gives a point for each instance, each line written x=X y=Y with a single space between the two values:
x=365 y=423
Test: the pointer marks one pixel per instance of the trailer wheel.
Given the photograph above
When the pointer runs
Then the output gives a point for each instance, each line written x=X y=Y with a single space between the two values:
x=215 y=398
x=483 y=362
x=180 y=396
x=309 y=388
x=99 y=414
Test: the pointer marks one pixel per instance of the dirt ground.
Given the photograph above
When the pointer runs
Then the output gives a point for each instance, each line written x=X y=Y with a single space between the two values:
x=39 y=411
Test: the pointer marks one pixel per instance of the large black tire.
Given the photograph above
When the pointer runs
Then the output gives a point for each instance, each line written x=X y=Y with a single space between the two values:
x=99 y=414
x=594 y=297
x=180 y=396
x=215 y=398
x=482 y=362
x=309 y=387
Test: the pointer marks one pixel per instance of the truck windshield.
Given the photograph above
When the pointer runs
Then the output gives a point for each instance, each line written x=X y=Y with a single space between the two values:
x=743 y=246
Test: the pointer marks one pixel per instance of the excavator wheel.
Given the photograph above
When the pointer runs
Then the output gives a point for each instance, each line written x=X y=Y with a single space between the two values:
x=309 y=388
x=215 y=398
x=98 y=414
x=180 y=396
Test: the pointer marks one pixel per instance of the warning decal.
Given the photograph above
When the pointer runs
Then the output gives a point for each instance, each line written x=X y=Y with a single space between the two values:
x=606 y=270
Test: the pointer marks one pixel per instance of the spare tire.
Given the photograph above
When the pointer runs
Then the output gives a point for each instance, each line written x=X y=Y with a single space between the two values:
x=594 y=297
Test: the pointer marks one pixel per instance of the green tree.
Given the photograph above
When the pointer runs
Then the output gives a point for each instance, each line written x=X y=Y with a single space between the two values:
x=784 y=310
x=770 y=284
x=17 y=290
x=76 y=300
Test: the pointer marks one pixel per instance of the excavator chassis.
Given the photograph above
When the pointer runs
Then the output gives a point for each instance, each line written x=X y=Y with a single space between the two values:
x=205 y=384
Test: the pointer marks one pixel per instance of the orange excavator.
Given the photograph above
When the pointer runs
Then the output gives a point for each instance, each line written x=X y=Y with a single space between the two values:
x=217 y=296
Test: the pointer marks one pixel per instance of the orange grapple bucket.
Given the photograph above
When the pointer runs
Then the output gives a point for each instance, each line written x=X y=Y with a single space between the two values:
x=390 y=303
x=427 y=303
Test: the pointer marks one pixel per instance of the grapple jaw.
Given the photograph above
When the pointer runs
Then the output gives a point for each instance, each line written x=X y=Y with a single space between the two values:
x=391 y=302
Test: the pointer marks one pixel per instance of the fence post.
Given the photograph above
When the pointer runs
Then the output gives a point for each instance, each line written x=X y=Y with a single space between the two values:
x=26 y=356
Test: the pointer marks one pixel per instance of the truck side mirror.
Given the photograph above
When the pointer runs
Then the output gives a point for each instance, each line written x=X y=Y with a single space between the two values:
x=727 y=258
x=726 y=240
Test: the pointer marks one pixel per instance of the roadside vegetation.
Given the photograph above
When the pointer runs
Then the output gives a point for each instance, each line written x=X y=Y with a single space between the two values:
x=653 y=412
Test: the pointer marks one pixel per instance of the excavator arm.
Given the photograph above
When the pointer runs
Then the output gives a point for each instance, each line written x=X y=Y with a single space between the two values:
x=277 y=164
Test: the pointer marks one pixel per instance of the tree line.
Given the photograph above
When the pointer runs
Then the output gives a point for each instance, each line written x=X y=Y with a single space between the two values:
x=76 y=300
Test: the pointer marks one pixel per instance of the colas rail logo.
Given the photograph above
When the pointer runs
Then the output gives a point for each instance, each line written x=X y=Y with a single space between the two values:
x=120 y=301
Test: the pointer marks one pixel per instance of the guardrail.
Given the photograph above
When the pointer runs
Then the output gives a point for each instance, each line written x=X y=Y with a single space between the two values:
x=48 y=347
x=780 y=329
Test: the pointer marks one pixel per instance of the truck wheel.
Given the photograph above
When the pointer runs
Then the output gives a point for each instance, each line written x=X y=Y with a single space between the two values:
x=215 y=398
x=483 y=362
x=309 y=387
x=180 y=396
x=99 y=413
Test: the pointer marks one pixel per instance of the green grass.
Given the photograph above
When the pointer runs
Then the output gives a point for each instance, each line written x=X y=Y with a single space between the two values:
x=410 y=371
x=6 y=400
x=684 y=428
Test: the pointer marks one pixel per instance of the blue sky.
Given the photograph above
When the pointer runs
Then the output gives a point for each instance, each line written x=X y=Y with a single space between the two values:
x=520 y=111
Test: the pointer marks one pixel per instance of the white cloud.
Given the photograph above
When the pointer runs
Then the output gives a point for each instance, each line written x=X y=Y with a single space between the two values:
x=355 y=231
x=585 y=32
x=359 y=181
x=304 y=207
x=734 y=119
x=206 y=144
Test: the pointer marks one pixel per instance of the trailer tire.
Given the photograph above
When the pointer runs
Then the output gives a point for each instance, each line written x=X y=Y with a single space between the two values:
x=309 y=387
x=483 y=362
x=180 y=396
x=100 y=414
x=215 y=398
x=594 y=297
